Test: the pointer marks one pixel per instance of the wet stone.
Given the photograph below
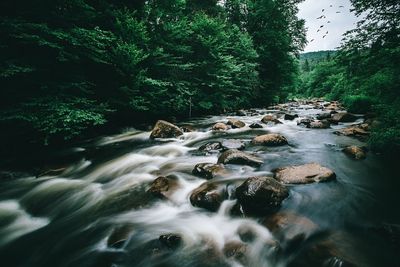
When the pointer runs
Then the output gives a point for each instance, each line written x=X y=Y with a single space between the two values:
x=220 y=126
x=255 y=126
x=234 y=156
x=208 y=170
x=171 y=241
x=208 y=196
x=234 y=123
x=355 y=152
x=304 y=174
x=212 y=146
x=261 y=195
x=232 y=144
x=270 y=140
x=164 y=129
x=163 y=187
x=290 y=117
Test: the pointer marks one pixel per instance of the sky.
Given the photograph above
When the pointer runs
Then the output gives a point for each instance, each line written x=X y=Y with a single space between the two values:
x=310 y=10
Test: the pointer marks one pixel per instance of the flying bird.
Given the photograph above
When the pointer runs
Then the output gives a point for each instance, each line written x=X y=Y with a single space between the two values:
x=318 y=30
x=331 y=6
x=321 y=26
x=312 y=40
x=323 y=36
x=341 y=6
x=320 y=17
x=326 y=32
x=323 y=10
x=328 y=21
x=338 y=12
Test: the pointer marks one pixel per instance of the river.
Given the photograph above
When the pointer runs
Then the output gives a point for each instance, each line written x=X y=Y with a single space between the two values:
x=73 y=219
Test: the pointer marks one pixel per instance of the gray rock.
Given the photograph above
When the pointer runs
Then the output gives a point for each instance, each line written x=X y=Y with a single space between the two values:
x=208 y=170
x=164 y=129
x=304 y=174
x=234 y=156
x=272 y=139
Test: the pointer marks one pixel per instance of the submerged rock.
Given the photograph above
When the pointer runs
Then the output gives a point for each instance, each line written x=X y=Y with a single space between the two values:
x=234 y=156
x=234 y=123
x=355 y=152
x=323 y=116
x=305 y=122
x=208 y=196
x=255 y=126
x=220 y=126
x=304 y=174
x=119 y=236
x=232 y=144
x=163 y=187
x=164 y=129
x=261 y=195
x=171 y=241
x=272 y=139
x=208 y=170
x=236 y=250
x=343 y=117
x=290 y=117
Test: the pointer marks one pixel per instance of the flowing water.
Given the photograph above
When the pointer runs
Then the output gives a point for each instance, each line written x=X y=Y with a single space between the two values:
x=70 y=219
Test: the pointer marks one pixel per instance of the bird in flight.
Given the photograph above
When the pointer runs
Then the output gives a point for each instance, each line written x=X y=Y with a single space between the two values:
x=331 y=6
x=318 y=30
x=323 y=36
x=323 y=10
x=321 y=26
x=338 y=12
x=312 y=40
x=341 y=6
x=326 y=32
x=328 y=21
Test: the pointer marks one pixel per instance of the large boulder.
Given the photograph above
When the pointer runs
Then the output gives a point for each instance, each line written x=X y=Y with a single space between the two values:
x=164 y=129
x=323 y=116
x=163 y=187
x=208 y=196
x=220 y=126
x=304 y=174
x=234 y=156
x=232 y=144
x=304 y=122
x=355 y=152
x=261 y=195
x=208 y=170
x=234 y=123
x=270 y=119
x=343 y=117
x=272 y=139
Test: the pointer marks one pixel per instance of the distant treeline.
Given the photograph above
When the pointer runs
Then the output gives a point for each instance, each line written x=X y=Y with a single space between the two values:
x=364 y=73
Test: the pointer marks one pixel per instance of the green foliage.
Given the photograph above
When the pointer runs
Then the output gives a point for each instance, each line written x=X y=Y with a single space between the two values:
x=358 y=103
x=68 y=66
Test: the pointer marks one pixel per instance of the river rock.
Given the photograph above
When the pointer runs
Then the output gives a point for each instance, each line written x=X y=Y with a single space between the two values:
x=355 y=152
x=343 y=117
x=323 y=116
x=324 y=124
x=234 y=123
x=119 y=236
x=208 y=196
x=272 y=139
x=290 y=117
x=219 y=126
x=164 y=129
x=208 y=170
x=354 y=130
x=236 y=250
x=304 y=174
x=304 y=122
x=255 y=126
x=234 y=156
x=261 y=195
x=163 y=187
x=232 y=144
x=171 y=241
x=289 y=225
x=270 y=119
x=241 y=112
x=212 y=146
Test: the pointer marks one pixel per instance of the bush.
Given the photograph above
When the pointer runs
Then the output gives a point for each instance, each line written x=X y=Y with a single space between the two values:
x=358 y=103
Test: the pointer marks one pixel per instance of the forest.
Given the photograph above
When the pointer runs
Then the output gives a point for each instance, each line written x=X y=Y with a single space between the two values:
x=71 y=69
